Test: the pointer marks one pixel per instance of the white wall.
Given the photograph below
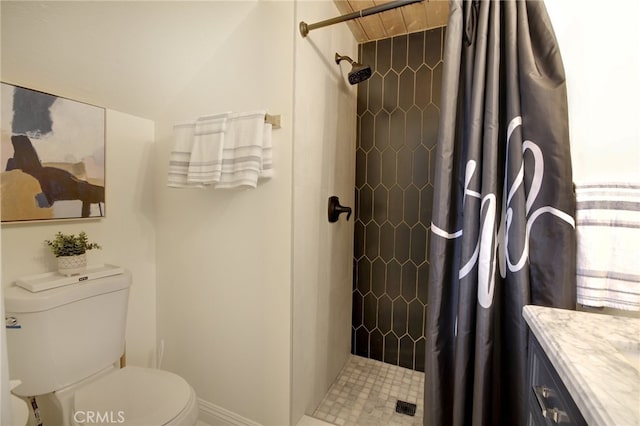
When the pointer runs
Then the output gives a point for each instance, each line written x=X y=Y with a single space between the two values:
x=600 y=47
x=224 y=256
x=324 y=165
x=6 y=411
x=127 y=234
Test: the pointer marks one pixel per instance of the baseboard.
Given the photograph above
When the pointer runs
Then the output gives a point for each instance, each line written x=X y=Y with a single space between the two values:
x=213 y=414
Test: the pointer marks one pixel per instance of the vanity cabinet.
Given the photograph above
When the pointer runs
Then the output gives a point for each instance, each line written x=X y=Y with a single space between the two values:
x=548 y=400
x=600 y=386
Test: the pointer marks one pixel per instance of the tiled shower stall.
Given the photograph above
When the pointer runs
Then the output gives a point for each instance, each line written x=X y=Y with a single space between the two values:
x=398 y=109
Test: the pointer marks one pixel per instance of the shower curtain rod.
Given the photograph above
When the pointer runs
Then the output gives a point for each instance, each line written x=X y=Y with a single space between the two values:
x=305 y=28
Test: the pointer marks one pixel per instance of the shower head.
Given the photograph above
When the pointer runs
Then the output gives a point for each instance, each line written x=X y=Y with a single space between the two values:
x=358 y=73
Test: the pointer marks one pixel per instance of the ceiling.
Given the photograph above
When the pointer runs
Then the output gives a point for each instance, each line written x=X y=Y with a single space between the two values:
x=403 y=20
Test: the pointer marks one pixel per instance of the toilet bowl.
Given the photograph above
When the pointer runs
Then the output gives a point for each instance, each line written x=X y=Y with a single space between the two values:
x=64 y=345
x=129 y=396
x=19 y=408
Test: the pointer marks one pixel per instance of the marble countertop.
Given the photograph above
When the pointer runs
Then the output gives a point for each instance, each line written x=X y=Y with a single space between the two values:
x=594 y=356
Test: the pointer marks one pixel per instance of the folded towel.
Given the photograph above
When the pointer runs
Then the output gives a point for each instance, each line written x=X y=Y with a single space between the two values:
x=266 y=169
x=608 y=231
x=243 y=156
x=224 y=150
x=205 y=162
x=180 y=155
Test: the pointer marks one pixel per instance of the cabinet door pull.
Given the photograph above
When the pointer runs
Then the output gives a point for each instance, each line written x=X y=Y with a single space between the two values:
x=555 y=415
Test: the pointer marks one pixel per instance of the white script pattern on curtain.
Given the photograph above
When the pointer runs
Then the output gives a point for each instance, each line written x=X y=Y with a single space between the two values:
x=488 y=245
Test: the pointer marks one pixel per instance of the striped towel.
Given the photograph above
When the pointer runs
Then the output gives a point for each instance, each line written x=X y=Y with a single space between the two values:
x=180 y=156
x=205 y=162
x=608 y=233
x=226 y=150
x=266 y=167
x=246 y=155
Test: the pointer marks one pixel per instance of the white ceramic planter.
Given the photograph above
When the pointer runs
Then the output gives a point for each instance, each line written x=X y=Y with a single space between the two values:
x=72 y=265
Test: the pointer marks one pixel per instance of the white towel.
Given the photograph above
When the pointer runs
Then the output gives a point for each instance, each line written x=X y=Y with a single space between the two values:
x=266 y=170
x=608 y=233
x=180 y=155
x=205 y=162
x=243 y=157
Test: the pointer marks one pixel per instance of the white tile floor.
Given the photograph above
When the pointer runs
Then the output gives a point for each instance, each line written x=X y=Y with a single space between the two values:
x=365 y=394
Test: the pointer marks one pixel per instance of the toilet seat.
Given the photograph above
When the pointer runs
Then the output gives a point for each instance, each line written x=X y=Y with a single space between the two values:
x=134 y=396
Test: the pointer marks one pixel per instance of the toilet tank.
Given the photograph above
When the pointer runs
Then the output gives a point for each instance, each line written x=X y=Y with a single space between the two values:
x=60 y=336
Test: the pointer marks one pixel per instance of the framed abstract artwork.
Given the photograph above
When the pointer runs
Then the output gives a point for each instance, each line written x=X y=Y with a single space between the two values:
x=52 y=157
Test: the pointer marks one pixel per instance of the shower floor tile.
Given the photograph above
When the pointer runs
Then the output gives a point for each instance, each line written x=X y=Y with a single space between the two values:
x=365 y=394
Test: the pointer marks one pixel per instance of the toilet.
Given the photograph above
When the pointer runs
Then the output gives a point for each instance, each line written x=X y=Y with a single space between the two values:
x=64 y=343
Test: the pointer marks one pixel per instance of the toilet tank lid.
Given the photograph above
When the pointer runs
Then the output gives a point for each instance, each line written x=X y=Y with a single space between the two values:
x=50 y=280
x=20 y=300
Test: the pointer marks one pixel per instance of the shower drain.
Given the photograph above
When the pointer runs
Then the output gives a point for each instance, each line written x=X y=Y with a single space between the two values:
x=404 y=407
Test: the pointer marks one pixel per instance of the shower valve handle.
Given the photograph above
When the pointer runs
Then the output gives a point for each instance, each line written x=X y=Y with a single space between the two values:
x=335 y=209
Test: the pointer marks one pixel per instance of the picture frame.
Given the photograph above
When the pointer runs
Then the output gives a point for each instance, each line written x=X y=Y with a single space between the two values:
x=52 y=154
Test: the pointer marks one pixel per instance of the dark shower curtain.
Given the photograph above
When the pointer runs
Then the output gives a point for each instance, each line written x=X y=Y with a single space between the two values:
x=503 y=233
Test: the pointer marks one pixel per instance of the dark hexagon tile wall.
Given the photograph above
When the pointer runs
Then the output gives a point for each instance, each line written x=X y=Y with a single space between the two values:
x=398 y=109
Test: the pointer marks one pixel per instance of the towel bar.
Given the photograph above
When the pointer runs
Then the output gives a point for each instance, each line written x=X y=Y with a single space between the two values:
x=274 y=120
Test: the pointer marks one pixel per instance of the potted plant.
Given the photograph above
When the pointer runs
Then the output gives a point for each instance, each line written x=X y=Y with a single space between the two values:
x=70 y=251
